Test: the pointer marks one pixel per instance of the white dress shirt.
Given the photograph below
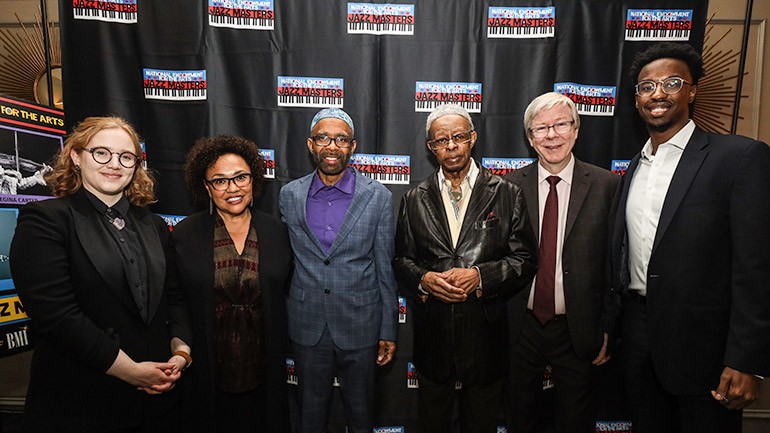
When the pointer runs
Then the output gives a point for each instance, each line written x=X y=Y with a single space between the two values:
x=646 y=195
x=563 y=189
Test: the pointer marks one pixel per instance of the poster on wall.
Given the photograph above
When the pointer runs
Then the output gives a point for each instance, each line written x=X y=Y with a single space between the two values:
x=30 y=137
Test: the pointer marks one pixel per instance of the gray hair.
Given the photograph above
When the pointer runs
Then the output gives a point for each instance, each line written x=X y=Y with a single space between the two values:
x=445 y=110
x=546 y=101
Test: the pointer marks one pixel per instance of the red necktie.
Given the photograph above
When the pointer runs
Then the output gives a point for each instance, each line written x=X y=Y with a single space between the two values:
x=543 y=306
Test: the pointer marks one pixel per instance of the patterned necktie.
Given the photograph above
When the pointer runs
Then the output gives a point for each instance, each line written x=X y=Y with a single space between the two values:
x=543 y=306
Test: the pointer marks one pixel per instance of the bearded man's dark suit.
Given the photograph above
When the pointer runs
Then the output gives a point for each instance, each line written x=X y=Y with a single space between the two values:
x=707 y=301
x=496 y=237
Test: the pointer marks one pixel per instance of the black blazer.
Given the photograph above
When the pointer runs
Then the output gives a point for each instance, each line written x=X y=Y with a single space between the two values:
x=708 y=303
x=496 y=237
x=585 y=270
x=194 y=258
x=70 y=277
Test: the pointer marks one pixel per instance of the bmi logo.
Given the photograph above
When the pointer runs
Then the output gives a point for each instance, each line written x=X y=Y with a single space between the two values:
x=503 y=166
x=520 y=23
x=431 y=94
x=118 y=11
x=269 y=156
x=590 y=100
x=242 y=14
x=310 y=92
x=17 y=339
x=393 y=169
x=381 y=19
x=658 y=24
x=174 y=85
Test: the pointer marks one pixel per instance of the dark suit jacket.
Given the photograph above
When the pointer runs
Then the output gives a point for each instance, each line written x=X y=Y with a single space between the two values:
x=70 y=277
x=584 y=266
x=497 y=238
x=194 y=258
x=708 y=303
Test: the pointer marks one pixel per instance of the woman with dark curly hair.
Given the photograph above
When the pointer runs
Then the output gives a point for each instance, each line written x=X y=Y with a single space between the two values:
x=90 y=268
x=234 y=263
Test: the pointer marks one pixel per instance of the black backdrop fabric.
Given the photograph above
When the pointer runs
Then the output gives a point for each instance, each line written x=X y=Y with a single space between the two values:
x=109 y=45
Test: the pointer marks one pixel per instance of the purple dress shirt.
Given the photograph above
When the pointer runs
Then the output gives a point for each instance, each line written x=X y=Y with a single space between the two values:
x=326 y=206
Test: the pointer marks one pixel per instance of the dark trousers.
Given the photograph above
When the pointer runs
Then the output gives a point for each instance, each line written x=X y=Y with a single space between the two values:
x=574 y=379
x=479 y=406
x=653 y=409
x=243 y=412
x=356 y=371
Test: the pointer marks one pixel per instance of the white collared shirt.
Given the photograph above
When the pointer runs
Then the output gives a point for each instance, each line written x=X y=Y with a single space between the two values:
x=466 y=186
x=563 y=189
x=646 y=195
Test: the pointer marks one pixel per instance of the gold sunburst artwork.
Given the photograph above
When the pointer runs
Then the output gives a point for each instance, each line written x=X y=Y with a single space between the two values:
x=23 y=72
x=716 y=89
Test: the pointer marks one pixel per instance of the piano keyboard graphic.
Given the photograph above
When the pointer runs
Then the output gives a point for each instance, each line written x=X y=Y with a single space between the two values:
x=596 y=110
x=520 y=32
x=380 y=28
x=389 y=178
x=662 y=34
x=309 y=101
x=175 y=94
x=427 y=106
x=104 y=15
x=241 y=22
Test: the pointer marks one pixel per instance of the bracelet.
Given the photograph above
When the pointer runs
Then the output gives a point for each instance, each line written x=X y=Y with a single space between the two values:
x=186 y=356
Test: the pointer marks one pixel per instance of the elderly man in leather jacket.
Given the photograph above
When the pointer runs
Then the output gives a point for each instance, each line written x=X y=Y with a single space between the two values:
x=463 y=245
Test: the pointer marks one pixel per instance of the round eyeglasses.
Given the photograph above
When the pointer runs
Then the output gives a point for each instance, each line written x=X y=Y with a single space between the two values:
x=670 y=86
x=559 y=128
x=459 y=139
x=222 y=183
x=102 y=155
x=325 y=140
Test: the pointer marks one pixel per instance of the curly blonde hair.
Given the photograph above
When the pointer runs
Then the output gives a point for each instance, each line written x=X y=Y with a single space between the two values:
x=65 y=178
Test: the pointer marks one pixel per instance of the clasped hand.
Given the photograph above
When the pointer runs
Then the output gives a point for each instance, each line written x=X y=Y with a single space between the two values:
x=451 y=286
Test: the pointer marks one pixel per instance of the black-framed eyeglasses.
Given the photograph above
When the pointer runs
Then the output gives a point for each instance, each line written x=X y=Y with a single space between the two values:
x=324 y=140
x=102 y=155
x=222 y=183
x=459 y=139
x=559 y=128
x=670 y=86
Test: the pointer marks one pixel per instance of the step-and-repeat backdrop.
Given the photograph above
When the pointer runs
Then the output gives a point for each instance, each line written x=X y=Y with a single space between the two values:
x=182 y=69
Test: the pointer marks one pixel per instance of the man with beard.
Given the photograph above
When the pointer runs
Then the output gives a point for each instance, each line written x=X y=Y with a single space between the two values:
x=343 y=309
x=690 y=254
x=463 y=245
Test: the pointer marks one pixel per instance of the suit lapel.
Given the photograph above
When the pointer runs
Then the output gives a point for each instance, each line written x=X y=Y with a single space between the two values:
x=361 y=196
x=100 y=248
x=692 y=158
x=301 y=210
x=531 y=195
x=581 y=183
x=434 y=205
x=156 y=259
